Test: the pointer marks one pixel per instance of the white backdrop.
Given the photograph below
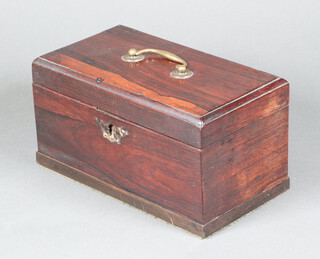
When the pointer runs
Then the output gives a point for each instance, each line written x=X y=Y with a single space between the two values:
x=45 y=215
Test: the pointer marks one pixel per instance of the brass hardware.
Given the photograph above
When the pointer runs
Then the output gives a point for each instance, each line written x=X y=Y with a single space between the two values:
x=181 y=71
x=112 y=133
x=99 y=80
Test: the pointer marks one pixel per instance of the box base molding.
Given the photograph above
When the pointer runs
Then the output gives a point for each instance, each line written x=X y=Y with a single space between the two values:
x=177 y=219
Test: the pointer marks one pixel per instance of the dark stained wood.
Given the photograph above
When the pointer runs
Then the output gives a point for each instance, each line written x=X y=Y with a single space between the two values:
x=244 y=115
x=216 y=81
x=153 y=166
x=130 y=198
x=245 y=207
x=161 y=169
x=179 y=220
x=128 y=106
x=143 y=92
x=244 y=164
x=200 y=153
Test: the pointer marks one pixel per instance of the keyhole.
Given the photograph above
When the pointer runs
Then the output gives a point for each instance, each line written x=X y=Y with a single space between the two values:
x=110 y=128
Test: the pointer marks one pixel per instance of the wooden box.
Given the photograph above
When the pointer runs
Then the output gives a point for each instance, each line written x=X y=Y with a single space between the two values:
x=198 y=141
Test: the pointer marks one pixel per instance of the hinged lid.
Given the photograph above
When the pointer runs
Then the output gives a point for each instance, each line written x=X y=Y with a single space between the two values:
x=94 y=71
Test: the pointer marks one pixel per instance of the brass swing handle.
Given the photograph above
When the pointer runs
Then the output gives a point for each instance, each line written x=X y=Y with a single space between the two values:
x=181 y=71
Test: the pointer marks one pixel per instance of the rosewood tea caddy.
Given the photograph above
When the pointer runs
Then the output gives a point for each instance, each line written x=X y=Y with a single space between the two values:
x=188 y=137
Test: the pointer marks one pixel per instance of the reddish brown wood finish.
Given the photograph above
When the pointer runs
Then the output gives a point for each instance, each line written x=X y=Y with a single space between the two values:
x=201 y=230
x=234 y=169
x=245 y=114
x=146 y=163
x=145 y=94
x=204 y=151
x=216 y=81
x=245 y=163
x=126 y=105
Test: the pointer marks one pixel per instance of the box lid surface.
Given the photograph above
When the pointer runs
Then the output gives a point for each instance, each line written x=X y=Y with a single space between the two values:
x=144 y=92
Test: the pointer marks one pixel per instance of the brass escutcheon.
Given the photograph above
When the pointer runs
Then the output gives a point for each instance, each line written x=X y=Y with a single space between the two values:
x=111 y=132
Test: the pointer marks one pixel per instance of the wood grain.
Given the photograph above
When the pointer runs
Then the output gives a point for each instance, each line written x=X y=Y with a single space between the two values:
x=179 y=220
x=145 y=94
x=201 y=184
x=131 y=107
x=216 y=81
x=244 y=164
x=146 y=163
x=200 y=152
x=244 y=115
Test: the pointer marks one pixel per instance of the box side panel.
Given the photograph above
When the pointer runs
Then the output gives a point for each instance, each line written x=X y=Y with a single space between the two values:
x=129 y=106
x=244 y=164
x=146 y=163
x=247 y=113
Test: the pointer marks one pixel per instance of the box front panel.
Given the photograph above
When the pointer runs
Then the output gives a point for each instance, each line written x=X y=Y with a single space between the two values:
x=155 y=116
x=146 y=163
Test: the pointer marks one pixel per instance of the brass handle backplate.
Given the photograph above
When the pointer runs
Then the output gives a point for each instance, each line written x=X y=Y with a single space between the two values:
x=181 y=71
x=111 y=132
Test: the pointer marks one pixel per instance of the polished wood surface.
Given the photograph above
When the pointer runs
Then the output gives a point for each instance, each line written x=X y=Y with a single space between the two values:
x=133 y=108
x=179 y=220
x=147 y=163
x=199 y=183
x=206 y=149
x=243 y=164
x=145 y=94
x=244 y=115
x=215 y=82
